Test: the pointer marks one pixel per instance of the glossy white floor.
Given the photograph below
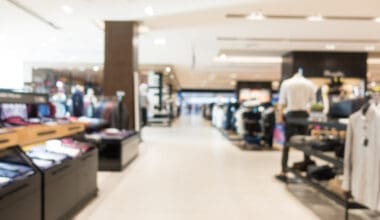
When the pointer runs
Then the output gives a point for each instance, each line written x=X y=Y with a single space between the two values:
x=190 y=171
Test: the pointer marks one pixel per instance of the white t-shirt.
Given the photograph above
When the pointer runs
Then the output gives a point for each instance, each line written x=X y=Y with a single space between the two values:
x=297 y=93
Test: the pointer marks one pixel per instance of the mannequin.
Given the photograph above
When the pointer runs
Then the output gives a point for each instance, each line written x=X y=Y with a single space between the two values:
x=296 y=96
x=90 y=102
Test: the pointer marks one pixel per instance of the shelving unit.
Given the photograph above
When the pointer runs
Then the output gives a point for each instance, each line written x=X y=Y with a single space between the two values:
x=62 y=189
x=336 y=162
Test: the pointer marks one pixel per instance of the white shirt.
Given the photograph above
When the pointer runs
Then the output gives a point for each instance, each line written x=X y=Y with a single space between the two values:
x=361 y=173
x=297 y=93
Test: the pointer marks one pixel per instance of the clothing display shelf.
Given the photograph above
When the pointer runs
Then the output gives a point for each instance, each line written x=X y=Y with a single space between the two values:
x=20 y=198
x=12 y=96
x=28 y=135
x=336 y=162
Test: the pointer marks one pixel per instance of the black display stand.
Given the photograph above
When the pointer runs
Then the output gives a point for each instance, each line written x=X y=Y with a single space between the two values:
x=21 y=200
x=116 y=154
x=336 y=162
x=67 y=187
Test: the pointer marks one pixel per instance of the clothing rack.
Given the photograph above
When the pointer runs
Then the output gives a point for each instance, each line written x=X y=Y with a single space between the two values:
x=337 y=162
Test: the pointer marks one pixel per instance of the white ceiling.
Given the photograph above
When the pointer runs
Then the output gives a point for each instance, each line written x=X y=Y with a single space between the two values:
x=191 y=29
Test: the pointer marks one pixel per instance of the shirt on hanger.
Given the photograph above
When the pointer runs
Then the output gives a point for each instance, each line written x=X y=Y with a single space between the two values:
x=361 y=174
x=297 y=93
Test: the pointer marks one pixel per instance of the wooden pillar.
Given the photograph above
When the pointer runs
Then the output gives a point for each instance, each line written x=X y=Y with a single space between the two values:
x=121 y=64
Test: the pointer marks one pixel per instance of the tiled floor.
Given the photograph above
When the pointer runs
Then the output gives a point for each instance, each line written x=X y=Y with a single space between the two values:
x=189 y=171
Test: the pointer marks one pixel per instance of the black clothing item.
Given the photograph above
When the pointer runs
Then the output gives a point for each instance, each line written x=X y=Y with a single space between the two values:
x=120 y=117
x=320 y=172
x=290 y=130
x=326 y=145
x=78 y=104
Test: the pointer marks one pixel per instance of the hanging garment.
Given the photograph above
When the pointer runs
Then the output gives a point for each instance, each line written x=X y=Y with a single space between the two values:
x=77 y=99
x=119 y=117
x=361 y=160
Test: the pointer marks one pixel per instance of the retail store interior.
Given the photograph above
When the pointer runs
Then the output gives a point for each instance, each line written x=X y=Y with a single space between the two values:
x=202 y=109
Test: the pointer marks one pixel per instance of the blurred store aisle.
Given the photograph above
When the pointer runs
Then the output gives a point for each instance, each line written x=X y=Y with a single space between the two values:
x=190 y=171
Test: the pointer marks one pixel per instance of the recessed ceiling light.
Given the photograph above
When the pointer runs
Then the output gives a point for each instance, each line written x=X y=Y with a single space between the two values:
x=67 y=9
x=143 y=29
x=44 y=44
x=315 y=18
x=256 y=16
x=369 y=48
x=168 y=69
x=160 y=41
x=330 y=47
x=100 y=24
x=223 y=56
x=96 y=68
x=73 y=57
x=149 y=10
x=377 y=19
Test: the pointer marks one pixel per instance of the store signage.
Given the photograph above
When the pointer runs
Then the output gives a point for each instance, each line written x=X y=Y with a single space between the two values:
x=329 y=73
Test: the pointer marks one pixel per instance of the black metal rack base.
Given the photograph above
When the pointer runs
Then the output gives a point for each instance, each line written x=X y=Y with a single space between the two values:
x=337 y=162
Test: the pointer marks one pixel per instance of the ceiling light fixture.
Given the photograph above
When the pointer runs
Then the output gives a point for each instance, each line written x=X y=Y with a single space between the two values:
x=168 y=69
x=256 y=16
x=373 y=61
x=249 y=59
x=96 y=68
x=67 y=9
x=330 y=47
x=223 y=56
x=315 y=18
x=233 y=75
x=369 y=48
x=149 y=10
x=159 y=41
x=100 y=24
x=143 y=29
x=377 y=19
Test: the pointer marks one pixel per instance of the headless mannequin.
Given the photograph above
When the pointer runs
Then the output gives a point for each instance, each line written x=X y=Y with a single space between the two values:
x=296 y=111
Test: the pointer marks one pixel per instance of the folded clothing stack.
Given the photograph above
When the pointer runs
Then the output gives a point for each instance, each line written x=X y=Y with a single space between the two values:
x=56 y=151
x=321 y=173
x=10 y=171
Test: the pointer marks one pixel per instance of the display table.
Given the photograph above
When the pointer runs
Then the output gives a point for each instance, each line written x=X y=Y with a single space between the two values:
x=21 y=200
x=69 y=186
x=115 y=153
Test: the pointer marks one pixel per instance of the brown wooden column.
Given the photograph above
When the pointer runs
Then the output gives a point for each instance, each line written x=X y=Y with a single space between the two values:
x=121 y=63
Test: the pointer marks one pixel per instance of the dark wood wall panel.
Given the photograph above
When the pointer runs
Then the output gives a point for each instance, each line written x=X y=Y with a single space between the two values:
x=121 y=63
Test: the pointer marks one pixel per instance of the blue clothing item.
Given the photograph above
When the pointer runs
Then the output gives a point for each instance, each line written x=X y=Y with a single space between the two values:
x=21 y=169
x=43 y=111
x=8 y=173
x=44 y=155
